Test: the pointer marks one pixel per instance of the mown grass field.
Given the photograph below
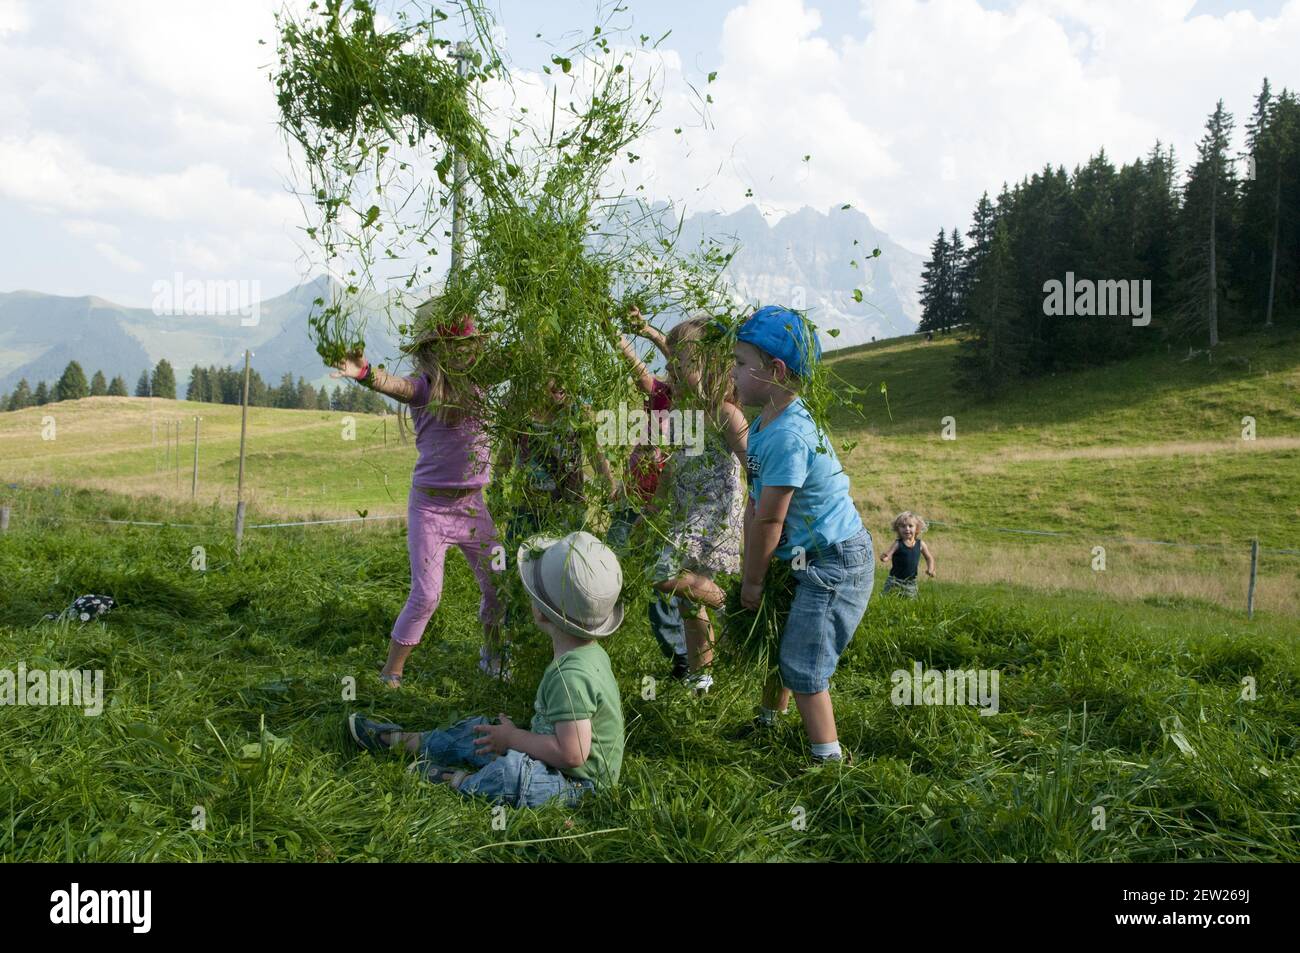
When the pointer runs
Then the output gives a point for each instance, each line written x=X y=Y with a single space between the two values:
x=1121 y=690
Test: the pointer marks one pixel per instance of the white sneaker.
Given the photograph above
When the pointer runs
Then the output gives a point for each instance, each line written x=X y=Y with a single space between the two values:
x=700 y=683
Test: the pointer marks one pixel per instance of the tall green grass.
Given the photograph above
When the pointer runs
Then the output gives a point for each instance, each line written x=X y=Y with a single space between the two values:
x=199 y=666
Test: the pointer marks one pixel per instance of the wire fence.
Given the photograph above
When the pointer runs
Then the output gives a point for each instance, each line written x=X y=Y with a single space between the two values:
x=1243 y=548
x=169 y=524
x=1123 y=540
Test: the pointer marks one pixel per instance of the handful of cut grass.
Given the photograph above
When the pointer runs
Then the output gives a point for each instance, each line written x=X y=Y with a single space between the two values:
x=753 y=637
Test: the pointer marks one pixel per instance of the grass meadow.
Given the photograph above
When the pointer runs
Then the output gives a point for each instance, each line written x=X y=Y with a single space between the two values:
x=1142 y=716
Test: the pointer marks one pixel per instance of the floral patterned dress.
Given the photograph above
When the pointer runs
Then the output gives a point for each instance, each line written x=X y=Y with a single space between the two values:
x=706 y=517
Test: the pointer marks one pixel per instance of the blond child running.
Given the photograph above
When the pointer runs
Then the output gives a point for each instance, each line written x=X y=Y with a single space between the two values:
x=904 y=554
x=446 y=505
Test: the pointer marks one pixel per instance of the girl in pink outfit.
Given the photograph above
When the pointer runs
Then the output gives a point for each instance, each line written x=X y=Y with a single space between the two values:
x=446 y=505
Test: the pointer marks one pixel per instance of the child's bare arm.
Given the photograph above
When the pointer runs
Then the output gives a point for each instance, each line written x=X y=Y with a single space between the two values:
x=569 y=747
x=888 y=554
x=762 y=538
x=645 y=381
x=398 y=388
x=652 y=334
x=929 y=559
x=735 y=430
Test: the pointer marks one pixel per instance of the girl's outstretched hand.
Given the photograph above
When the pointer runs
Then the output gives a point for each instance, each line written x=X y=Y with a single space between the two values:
x=636 y=323
x=350 y=366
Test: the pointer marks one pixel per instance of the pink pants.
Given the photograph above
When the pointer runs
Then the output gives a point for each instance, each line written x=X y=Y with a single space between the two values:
x=433 y=524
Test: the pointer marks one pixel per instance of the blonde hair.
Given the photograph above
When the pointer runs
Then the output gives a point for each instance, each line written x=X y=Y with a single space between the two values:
x=906 y=515
x=686 y=339
x=451 y=395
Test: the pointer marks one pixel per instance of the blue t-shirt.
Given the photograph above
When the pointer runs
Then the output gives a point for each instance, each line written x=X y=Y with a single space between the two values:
x=784 y=453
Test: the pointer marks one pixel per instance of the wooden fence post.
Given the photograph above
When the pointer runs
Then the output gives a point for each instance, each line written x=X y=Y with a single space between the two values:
x=1254 y=566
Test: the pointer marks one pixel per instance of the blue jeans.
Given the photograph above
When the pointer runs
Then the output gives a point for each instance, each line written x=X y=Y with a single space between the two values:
x=830 y=598
x=666 y=623
x=513 y=778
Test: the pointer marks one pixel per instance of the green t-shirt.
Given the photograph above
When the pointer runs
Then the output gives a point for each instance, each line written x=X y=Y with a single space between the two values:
x=580 y=684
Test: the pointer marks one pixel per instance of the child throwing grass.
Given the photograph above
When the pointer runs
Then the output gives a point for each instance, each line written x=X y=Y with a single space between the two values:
x=904 y=555
x=706 y=498
x=799 y=507
x=575 y=744
x=446 y=505
x=635 y=496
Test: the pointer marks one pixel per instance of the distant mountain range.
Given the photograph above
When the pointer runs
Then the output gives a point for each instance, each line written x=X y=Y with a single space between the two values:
x=803 y=260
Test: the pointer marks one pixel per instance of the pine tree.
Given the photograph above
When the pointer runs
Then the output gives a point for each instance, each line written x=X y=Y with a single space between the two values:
x=1260 y=191
x=993 y=355
x=98 y=386
x=306 y=395
x=117 y=387
x=1276 y=167
x=142 y=386
x=196 y=388
x=1205 y=228
x=957 y=277
x=163 y=381
x=937 y=287
x=42 y=395
x=21 y=397
x=72 y=384
x=286 y=395
x=323 y=399
x=259 y=395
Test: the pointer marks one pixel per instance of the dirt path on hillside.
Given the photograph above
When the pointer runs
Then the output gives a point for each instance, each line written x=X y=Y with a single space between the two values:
x=1174 y=449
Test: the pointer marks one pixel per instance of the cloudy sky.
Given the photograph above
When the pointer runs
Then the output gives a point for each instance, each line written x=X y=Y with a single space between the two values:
x=138 y=137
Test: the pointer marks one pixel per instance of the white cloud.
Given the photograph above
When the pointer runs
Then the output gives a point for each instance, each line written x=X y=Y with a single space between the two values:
x=158 y=117
x=118 y=258
x=932 y=103
x=13 y=16
x=49 y=172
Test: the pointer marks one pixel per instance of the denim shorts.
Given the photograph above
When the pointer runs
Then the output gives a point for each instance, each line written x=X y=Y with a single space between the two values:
x=830 y=598
x=513 y=778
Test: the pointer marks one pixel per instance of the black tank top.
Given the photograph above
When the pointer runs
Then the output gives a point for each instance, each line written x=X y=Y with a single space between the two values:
x=902 y=565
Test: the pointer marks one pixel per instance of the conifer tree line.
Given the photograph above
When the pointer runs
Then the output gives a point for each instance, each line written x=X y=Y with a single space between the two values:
x=1220 y=246
x=225 y=385
x=209 y=385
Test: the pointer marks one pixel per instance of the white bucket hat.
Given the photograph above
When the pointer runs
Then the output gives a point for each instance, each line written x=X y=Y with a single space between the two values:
x=576 y=581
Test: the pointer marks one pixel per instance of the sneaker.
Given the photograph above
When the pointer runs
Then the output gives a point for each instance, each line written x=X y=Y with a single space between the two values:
x=845 y=758
x=367 y=733
x=699 y=683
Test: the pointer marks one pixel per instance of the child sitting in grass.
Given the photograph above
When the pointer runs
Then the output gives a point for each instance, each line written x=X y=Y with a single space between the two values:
x=576 y=742
x=904 y=555
x=800 y=510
